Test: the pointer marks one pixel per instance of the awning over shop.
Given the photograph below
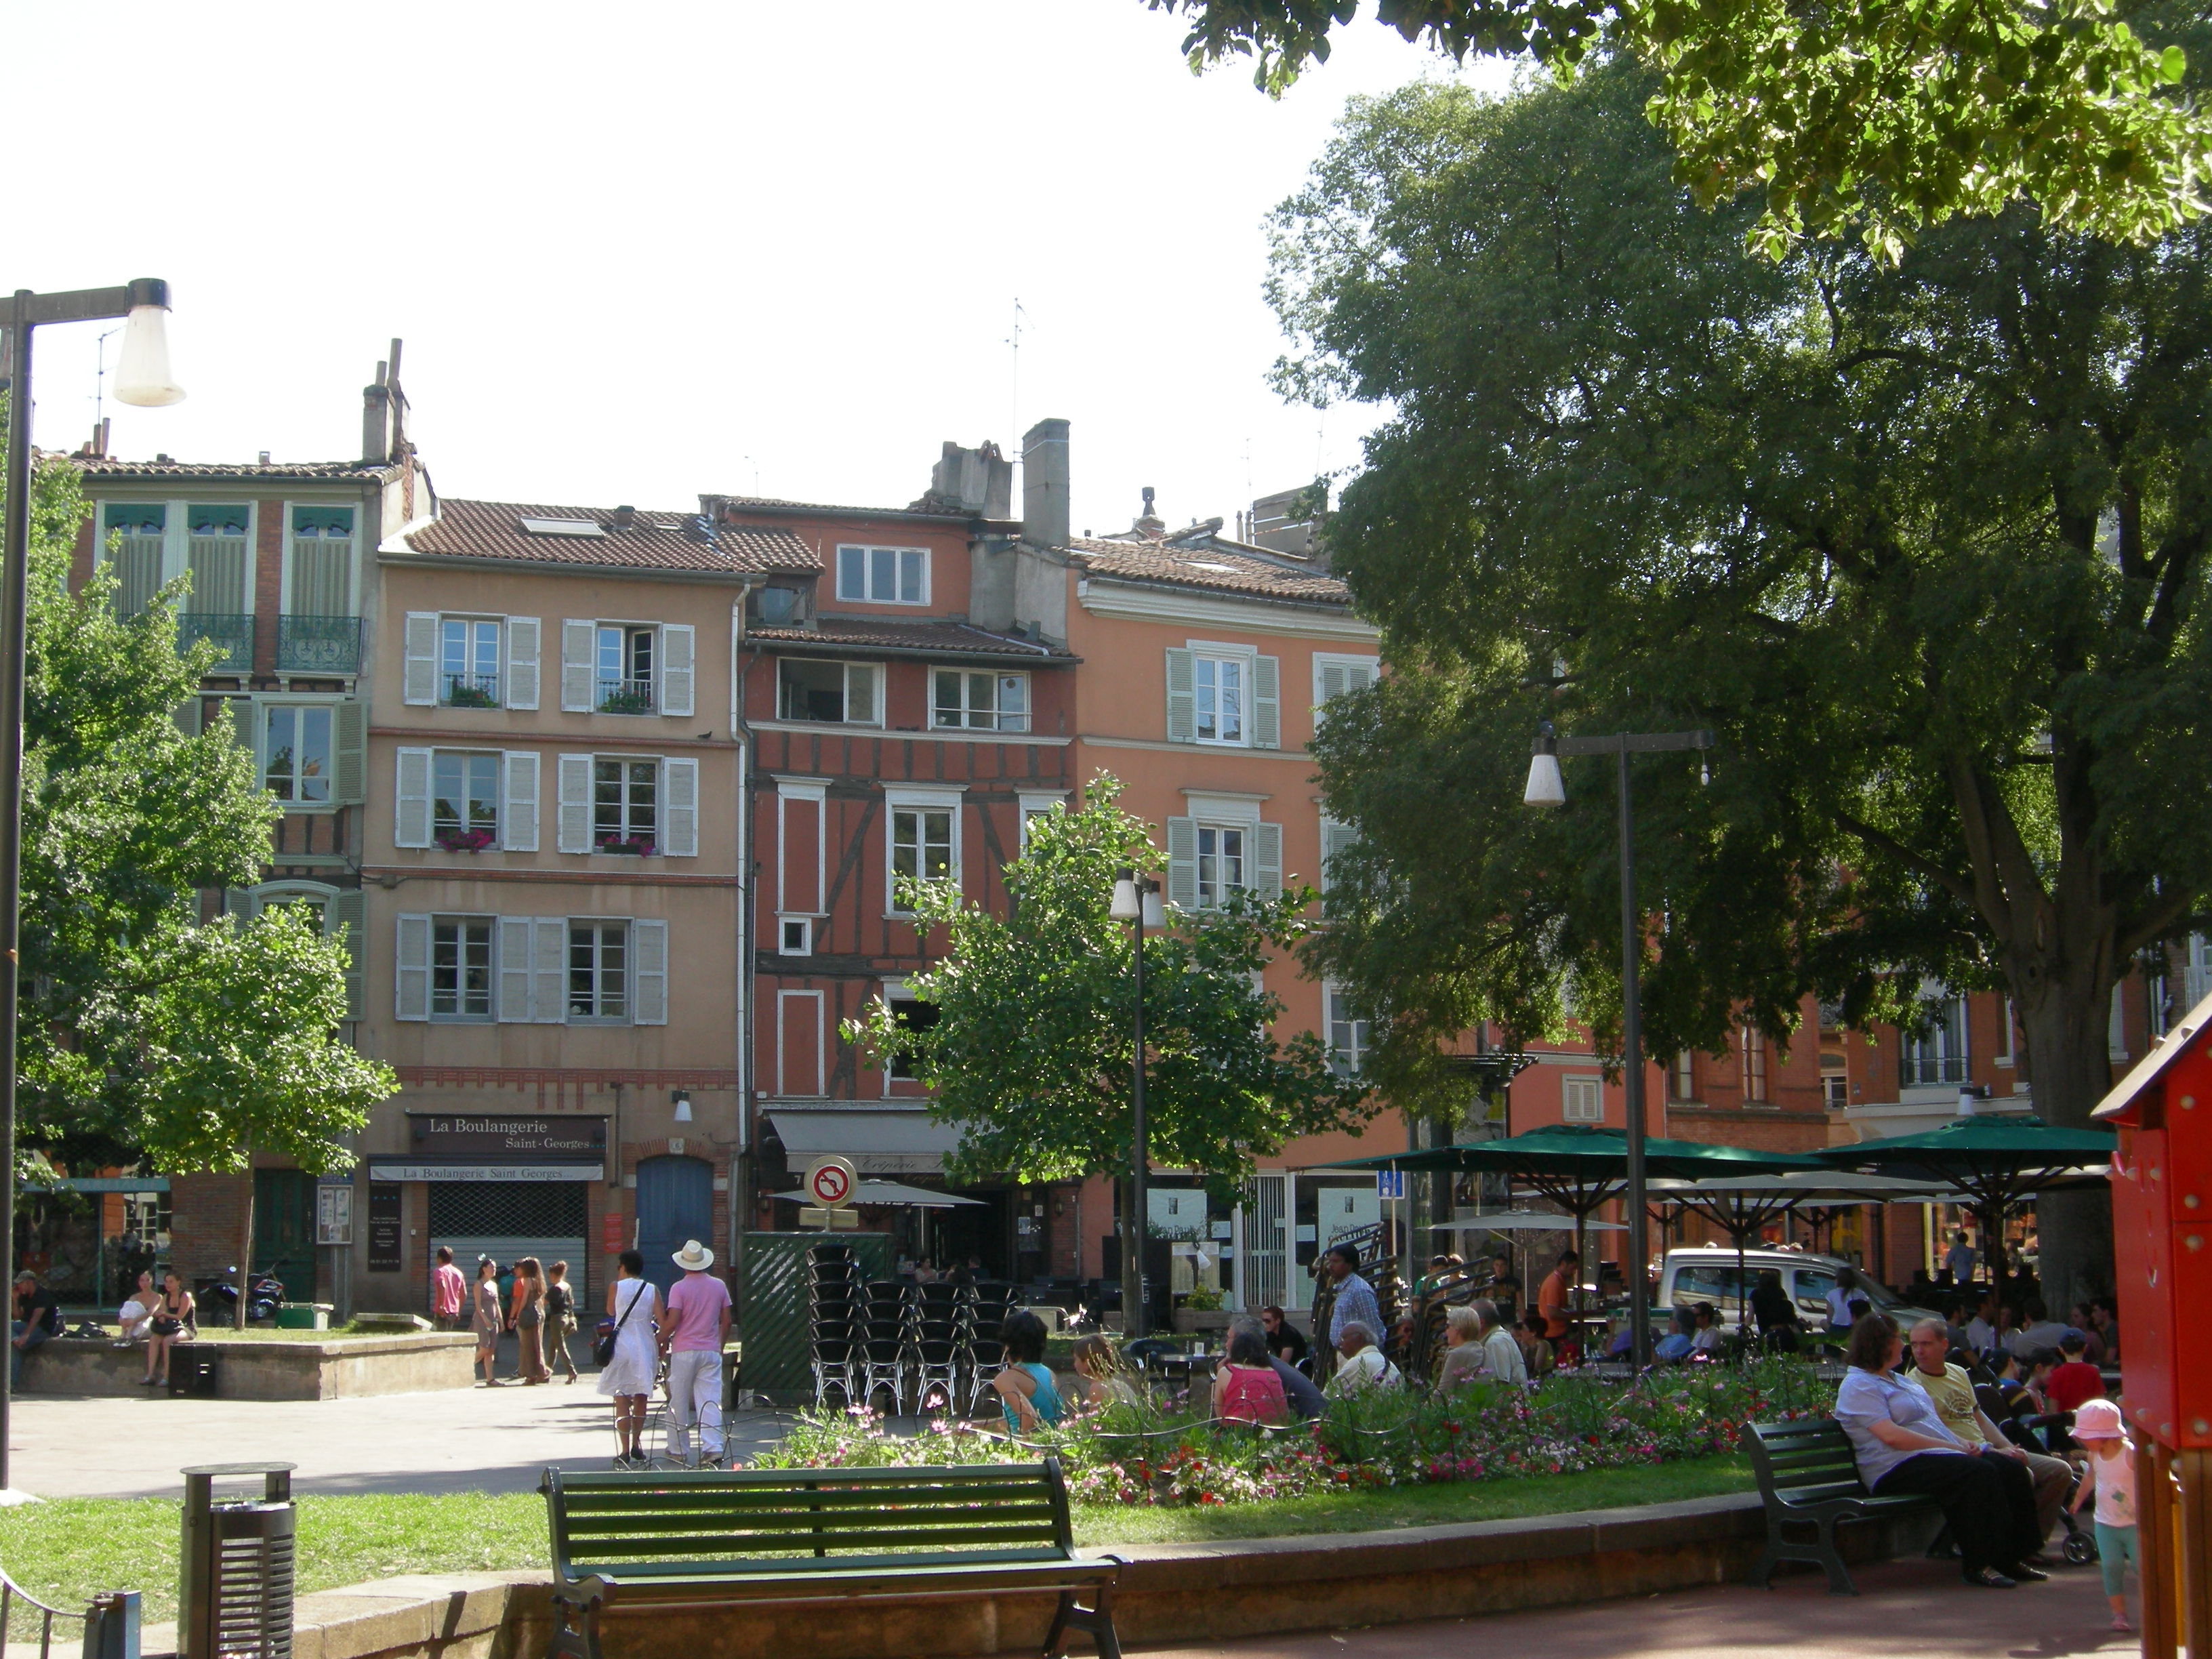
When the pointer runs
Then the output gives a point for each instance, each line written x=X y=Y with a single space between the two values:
x=456 y=1169
x=879 y=1143
x=889 y=1192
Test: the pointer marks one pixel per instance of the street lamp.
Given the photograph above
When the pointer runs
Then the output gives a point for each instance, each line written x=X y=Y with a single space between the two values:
x=1137 y=901
x=142 y=378
x=1547 y=788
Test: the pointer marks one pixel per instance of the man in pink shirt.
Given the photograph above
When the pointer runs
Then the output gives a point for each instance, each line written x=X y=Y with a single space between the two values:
x=446 y=1289
x=697 y=1326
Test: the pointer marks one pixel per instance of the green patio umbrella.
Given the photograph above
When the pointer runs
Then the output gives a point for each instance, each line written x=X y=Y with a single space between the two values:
x=1996 y=1164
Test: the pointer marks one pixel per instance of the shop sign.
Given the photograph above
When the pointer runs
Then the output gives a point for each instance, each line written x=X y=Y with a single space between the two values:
x=383 y=1228
x=504 y=1140
x=334 y=1214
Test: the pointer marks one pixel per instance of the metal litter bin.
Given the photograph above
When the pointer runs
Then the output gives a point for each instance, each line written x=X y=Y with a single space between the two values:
x=235 y=1593
x=195 y=1368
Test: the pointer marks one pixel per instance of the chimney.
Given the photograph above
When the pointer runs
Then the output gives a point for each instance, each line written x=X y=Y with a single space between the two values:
x=1045 y=484
x=624 y=517
x=265 y=458
x=376 y=420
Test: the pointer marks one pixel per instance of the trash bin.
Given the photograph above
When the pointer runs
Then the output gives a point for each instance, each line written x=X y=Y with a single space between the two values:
x=235 y=1589
x=194 y=1368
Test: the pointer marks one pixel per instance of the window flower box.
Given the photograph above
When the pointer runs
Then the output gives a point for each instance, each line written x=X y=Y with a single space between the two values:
x=634 y=846
x=466 y=841
x=470 y=696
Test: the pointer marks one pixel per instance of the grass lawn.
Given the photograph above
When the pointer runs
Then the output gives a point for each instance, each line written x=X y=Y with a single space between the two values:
x=63 y=1551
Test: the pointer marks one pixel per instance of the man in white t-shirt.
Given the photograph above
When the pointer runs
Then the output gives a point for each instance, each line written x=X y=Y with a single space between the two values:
x=1362 y=1365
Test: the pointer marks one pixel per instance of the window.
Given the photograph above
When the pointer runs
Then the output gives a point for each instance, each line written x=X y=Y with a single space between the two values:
x=464 y=798
x=1582 y=1099
x=136 y=534
x=1835 y=1091
x=1034 y=806
x=1347 y=1036
x=1937 y=1053
x=624 y=658
x=460 y=968
x=1335 y=675
x=884 y=575
x=921 y=843
x=319 y=583
x=1220 y=862
x=468 y=662
x=836 y=691
x=2005 y=1030
x=216 y=553
x=599 y=970
x=1219 y=687
x=980 y=701
x=909 y=1015
x=796 y=936
x=298 y=747
x=776 y=607
x=1753 y=1055
x=625 y=805
x=1682 y=1077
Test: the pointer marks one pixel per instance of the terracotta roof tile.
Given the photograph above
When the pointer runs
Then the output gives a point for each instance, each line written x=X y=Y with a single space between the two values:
x=929 y=636
x=655 y=541
x=108 y=466
x=1211 y=568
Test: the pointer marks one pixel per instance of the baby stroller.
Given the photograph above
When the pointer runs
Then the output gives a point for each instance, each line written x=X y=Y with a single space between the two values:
x=2045 y=1433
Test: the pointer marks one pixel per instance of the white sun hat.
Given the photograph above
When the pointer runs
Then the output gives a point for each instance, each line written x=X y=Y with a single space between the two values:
x=694 y=1257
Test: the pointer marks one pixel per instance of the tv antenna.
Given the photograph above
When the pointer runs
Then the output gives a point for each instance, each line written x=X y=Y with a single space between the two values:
x=1014 y=340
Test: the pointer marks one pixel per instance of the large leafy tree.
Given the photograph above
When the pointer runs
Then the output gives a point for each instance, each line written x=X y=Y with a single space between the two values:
x=1924 y=544
x=1031 y=1047
x=1885 y=115
x=144 y=1030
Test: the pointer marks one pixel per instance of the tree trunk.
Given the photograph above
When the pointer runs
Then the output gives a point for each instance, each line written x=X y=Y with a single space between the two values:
x=245 y=1257
x=2068 y=1063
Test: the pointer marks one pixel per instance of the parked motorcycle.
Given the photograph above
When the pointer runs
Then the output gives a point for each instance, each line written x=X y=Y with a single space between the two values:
x=218 y=1297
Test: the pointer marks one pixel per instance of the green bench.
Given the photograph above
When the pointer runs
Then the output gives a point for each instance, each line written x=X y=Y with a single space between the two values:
x=1809 y=1477
x=703 y=1539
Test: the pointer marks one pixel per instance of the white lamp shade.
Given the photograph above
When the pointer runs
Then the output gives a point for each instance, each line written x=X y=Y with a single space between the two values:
x=683 y=1109
x=1546 y=786
x=142 y=371
x=1125 y=907
x=1156 y=913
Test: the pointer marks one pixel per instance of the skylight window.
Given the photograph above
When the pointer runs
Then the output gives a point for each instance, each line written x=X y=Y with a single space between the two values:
x=1203 y=564
x=561 y=527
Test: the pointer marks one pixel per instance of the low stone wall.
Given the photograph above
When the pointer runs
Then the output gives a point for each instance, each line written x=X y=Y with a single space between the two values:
x=343 y=1368
x=1168 y=1593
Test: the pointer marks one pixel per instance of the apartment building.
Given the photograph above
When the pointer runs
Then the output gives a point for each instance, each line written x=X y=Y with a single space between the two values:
x=281 y=558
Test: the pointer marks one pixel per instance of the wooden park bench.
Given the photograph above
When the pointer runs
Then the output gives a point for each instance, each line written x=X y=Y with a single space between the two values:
x=696 y=1539
x=1808 y=1477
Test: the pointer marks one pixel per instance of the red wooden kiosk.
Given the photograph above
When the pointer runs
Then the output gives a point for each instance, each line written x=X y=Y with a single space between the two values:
x=2162 y=1249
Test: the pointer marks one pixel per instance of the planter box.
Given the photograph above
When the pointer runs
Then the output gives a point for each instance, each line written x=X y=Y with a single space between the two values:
x=1187 y=1320
x=248 y=1370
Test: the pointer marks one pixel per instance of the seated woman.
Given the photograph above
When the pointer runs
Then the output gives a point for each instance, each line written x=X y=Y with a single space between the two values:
x=1536 y=1352
x=1027 y=1392
x=1105 y=1378
x=1705 y=1335
x=1463 y=1352
x=1245 y=1387
x=175 y=1317
x=1674 y=1347
x=1902 y=1445
x=1776 y=1314
x=136 y=1315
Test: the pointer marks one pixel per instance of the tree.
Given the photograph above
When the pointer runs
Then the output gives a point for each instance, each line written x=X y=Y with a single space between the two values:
x=1925 y=545
x=1875 y=114
x=1030 y=1049
x=143 y=1031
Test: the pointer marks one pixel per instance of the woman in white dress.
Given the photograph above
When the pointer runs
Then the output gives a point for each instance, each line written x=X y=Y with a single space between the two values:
x=627 y=1378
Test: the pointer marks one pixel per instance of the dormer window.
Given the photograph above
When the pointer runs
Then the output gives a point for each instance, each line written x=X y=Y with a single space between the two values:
x=776 y=607
x=883 y=575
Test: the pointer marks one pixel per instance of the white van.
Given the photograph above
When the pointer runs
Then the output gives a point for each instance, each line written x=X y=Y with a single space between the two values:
x=1708 y=1273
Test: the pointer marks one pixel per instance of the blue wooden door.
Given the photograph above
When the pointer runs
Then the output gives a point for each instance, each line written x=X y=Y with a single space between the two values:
x=674 y=1203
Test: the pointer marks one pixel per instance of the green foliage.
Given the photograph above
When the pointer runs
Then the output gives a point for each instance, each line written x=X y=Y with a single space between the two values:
x=1880 y=116
x=1925 y=545
x=142 y=1029
x=1032 y=1051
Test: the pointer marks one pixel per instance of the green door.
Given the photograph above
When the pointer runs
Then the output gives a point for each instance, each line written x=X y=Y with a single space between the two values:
x=284 y=1229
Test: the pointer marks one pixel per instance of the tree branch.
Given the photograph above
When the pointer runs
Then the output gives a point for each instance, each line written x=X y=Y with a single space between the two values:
x=1950 y=881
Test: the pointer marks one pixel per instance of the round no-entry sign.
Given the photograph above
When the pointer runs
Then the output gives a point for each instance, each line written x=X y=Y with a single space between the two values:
x=830 y=1182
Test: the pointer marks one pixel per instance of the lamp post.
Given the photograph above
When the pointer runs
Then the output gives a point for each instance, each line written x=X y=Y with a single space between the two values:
x=1547 y=788
x=142 y=379
x=1137 y=901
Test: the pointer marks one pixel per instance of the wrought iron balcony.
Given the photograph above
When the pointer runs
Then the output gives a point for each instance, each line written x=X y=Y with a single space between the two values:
x=625 y=697
x=234 y=633
x=1921 y=1070
x=318 y=645
x=471 y=691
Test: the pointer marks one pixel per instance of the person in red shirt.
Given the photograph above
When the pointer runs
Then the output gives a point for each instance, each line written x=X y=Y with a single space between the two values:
x=2074 y=1382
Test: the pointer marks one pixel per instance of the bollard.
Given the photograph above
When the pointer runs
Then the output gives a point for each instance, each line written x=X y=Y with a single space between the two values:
x=110 y=1626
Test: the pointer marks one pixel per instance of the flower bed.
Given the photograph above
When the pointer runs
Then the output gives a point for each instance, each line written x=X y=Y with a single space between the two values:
x=1564 y=1426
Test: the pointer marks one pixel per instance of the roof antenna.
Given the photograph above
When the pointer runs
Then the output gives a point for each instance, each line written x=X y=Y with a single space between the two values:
x=1014 y=411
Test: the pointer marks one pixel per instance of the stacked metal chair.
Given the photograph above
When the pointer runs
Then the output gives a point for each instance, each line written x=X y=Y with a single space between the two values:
x=834 y=1309
x=936 y=1334
x=983 y=1308
x=887 y=1317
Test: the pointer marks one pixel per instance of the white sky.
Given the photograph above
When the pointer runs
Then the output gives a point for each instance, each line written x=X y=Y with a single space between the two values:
x=643 y=252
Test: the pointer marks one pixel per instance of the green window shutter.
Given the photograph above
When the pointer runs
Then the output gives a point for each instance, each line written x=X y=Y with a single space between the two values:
x=349 y=771
x=514 y=966
x=1182 y=699
x=410 y=997
x=238 y=902
x=245 y=721
x=1267 y=702
x=1335 y=838
x=1182 y=861
x=348 y=910
x=1267 y=863
x=649 y=973
x=677 y=643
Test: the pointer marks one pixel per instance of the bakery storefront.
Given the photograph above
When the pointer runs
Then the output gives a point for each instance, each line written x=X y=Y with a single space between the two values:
x=504 y=1185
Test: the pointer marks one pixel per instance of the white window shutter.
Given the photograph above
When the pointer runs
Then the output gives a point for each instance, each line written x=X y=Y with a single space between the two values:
x=578 y=665
x=1329 y=682
x=515 y=965
x=574 y=830
x=1267 y=702
x=350 y=767
x=649 y=946
x=1267 y=864
x=518 y=812
x=348 y=912
x=1183 y=698
x=521 y=662
x=1359 y=676
x=679 y=829
x=411 y=800
x=549 y=961
x=418 y=681
x=411 y=964
x=1183 y=861
x=677 y=644
x=1335 y=838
